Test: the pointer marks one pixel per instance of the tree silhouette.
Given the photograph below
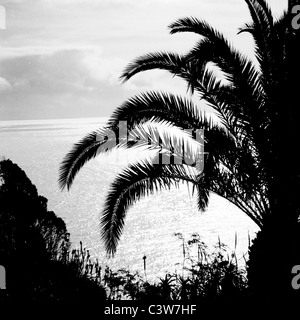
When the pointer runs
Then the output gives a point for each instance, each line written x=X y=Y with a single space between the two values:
x=34 y=246
x=250 y=156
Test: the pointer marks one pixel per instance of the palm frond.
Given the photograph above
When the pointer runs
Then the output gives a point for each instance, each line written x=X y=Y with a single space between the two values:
x=243 y=99
x=239 y=70
x=168 y=61
x=269 y=41
x=189 y=70
x=180 y=111
x=203 y=192
x=154 y=134
x=192 y=24
x=215 y=48
x=83 y=151
x=261 y=14
x=169 y=140
x=136 y=181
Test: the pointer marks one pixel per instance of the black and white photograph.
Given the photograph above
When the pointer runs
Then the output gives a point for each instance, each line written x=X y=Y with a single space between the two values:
x=149 y=160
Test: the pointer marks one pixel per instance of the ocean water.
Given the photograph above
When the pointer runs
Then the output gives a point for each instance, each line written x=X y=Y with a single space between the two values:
x=38 y=147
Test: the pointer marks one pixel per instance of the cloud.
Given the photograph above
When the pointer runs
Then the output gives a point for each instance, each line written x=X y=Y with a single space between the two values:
x=10 y=52
x=54 y=72
x=71 y=83
x=63 y=58
x=65 y=83
x=4 y=85
x=102 y=68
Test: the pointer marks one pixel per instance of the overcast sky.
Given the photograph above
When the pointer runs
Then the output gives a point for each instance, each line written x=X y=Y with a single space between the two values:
x=63 y=58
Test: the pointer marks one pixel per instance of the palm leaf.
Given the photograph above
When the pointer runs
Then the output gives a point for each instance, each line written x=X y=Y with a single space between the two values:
x=168 y=61
x=269 y=47
x=152 y=135
x=163 y=106
x=136 y=181
x=83 y=151
x=246 y=87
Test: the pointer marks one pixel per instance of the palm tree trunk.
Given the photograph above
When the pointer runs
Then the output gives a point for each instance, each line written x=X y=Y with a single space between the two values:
x=286 y=189
x=276 y=248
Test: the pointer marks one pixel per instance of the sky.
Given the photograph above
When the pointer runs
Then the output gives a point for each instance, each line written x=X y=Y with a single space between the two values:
x=63 y=58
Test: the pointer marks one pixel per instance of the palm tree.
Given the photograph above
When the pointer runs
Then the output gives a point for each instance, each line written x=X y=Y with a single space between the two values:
x=246 y=159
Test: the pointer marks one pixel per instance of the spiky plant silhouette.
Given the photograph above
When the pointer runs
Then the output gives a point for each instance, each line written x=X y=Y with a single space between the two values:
x=250 y=157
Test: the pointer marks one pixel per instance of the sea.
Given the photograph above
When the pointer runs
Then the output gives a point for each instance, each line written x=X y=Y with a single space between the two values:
x=39 y=146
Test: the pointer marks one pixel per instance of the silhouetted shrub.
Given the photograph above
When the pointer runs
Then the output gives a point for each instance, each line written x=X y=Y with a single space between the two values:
x=35 y=246
x=206 y=277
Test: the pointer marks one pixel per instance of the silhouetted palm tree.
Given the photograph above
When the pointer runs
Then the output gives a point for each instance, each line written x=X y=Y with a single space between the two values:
x=246 y=160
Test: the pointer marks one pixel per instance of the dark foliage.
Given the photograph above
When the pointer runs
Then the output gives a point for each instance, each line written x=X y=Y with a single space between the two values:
x=203 y=277
x=34 y=244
